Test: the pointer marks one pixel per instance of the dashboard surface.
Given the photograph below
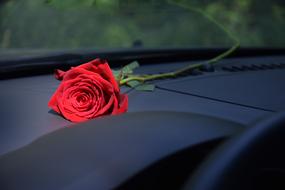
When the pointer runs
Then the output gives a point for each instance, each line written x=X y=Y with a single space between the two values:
x=232 y=92
x=179 y=114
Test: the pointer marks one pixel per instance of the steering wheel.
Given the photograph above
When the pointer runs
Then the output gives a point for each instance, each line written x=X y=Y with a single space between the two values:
x=253 y=160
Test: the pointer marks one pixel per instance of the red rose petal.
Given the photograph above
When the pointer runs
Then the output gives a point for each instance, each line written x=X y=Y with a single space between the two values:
x=59 y=74
x=87 y=91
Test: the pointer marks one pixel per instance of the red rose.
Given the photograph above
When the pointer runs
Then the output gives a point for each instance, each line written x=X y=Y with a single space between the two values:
x=88 y=91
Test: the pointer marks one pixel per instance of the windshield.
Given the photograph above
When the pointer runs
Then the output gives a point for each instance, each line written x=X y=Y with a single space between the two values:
x=117 y=24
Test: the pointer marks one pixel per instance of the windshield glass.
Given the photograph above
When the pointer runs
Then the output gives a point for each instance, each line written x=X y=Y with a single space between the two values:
x=117 y=24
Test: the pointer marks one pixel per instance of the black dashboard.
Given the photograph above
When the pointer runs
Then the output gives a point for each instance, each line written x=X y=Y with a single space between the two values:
x=176 y=126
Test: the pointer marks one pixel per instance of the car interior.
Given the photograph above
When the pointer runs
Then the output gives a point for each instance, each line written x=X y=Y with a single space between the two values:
x=218 y=127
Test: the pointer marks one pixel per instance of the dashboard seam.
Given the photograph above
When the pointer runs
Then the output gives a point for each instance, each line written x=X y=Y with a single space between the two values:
x=214 y=99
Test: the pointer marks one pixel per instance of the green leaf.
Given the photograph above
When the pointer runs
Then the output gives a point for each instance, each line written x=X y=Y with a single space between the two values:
x=117 y=74
x=133 y=83
x=128 y=69
x=140 y=86
x=145 y=87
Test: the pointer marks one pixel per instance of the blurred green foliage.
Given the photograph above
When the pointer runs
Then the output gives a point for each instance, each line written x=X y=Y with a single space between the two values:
x=65 y=24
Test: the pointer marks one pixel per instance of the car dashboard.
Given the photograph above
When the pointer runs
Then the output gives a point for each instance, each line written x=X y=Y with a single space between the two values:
x=157 y=144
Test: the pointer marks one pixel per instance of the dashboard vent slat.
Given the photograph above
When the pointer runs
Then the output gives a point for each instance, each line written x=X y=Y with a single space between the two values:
x=253 y=67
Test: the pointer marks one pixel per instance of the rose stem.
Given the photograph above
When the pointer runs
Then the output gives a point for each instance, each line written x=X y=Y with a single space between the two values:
x=144 y=78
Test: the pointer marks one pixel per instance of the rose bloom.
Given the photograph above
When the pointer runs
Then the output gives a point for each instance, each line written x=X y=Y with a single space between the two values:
x=88 y=91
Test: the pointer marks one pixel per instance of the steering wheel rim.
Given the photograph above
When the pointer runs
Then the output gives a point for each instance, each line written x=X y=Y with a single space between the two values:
x=252 y=160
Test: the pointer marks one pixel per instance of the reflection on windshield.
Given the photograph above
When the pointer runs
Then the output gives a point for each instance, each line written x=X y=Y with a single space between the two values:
x=67 y=24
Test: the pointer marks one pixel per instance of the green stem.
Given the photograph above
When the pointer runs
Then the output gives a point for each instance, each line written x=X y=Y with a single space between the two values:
x=190 y=67
x=147 y=78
